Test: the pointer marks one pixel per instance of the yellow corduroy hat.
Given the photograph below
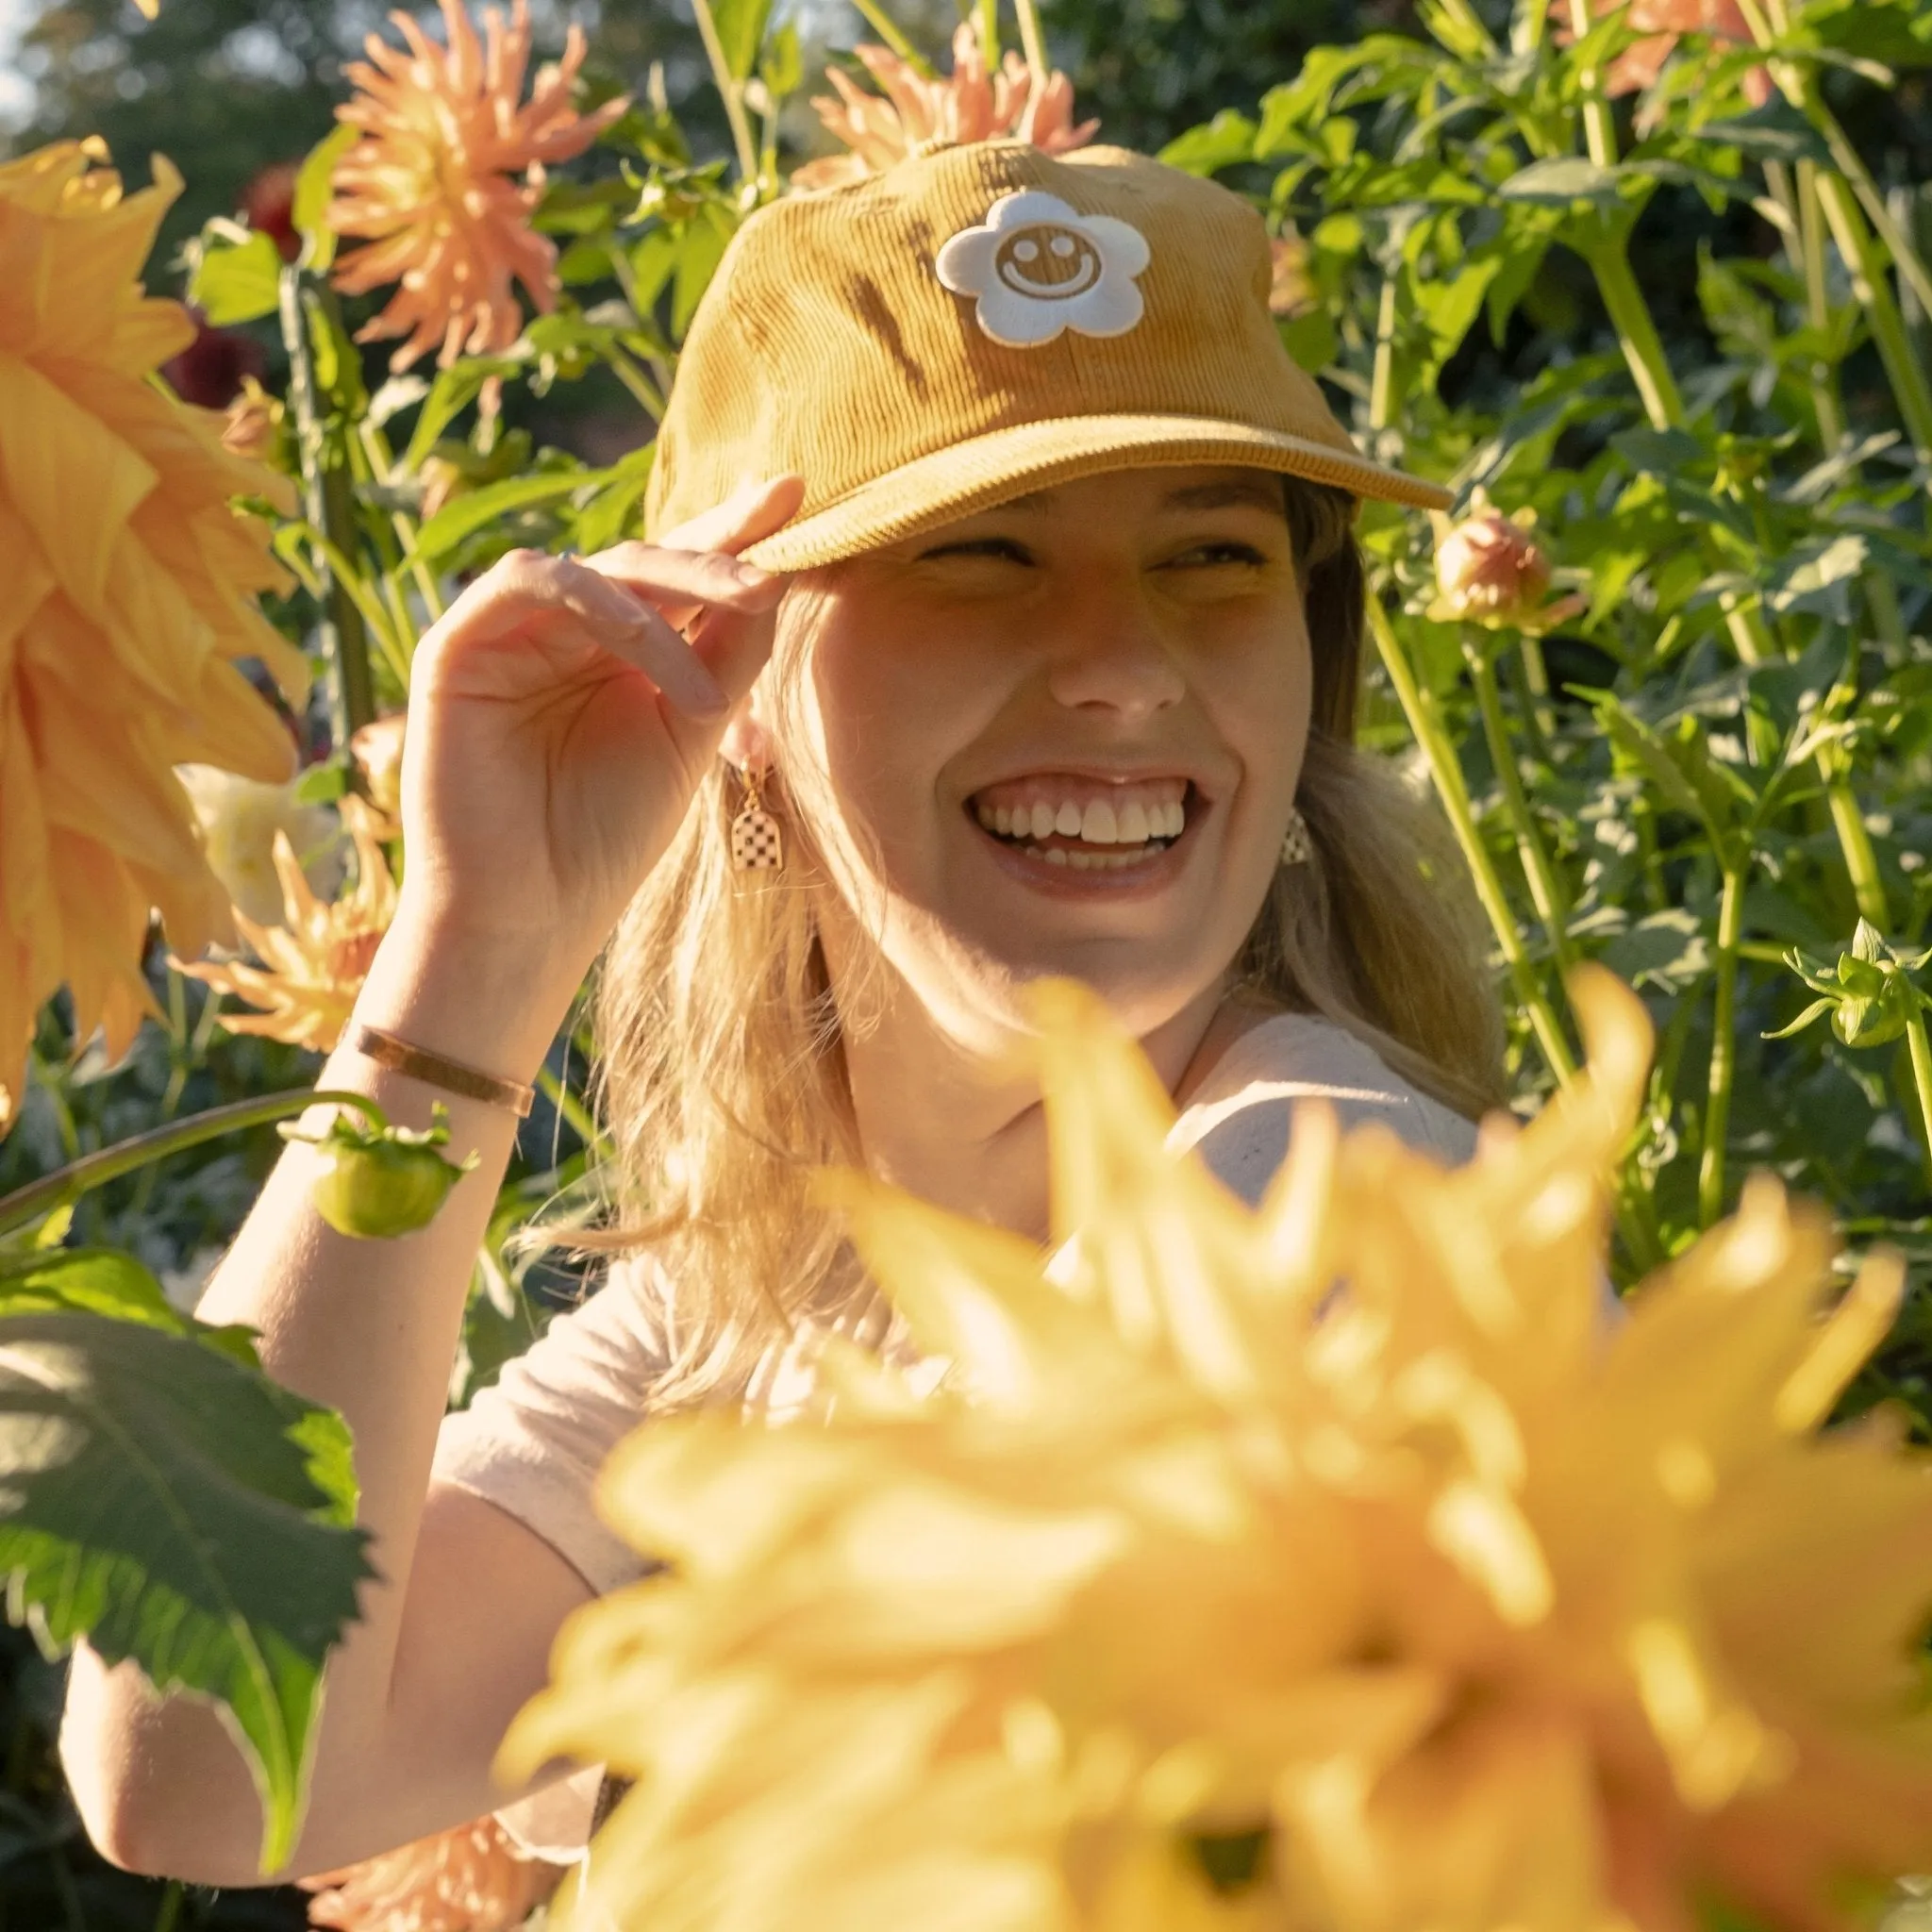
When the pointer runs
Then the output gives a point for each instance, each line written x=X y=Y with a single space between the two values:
x=980 y=321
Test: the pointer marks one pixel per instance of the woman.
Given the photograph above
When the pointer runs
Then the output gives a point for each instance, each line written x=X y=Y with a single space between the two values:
x=1035 y=654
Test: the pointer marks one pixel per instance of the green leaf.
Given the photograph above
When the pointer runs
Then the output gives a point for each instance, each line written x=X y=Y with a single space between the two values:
x=700 y=250
x=322 y=784
x=454 y=390
x=782 y=70
x=1312 y=340
x=1775 y=132
x=1561 y=182
x=741 y=32
x=474 y=511
x=178 y=1508
x=314 y=190
x=240 y=281
x=1221 y=142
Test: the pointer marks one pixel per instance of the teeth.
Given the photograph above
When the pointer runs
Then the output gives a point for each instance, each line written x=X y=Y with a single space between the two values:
x=1097 y=823
x=1041 y=822
x=1067 y=821
x=1132 y=827
x=1176 y=820
x=1057 y=856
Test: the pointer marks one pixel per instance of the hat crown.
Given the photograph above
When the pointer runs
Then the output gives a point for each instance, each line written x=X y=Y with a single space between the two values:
x=968 y=299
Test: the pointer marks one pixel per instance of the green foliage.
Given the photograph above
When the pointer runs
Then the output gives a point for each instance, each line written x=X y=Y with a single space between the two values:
x=166 y=1500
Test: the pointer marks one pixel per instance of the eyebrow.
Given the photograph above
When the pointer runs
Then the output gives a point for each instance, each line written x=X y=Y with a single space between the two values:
x=1261 y=490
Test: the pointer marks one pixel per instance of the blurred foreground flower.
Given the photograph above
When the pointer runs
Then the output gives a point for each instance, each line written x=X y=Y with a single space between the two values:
x=127 y=604
x=1326 y=1567
x=1663 y=23
x=1491 y=571
x=472 y=1879
x=376 y=750
x=444 y=131
x=918 y=112
x=314 y=962
x=239 y=820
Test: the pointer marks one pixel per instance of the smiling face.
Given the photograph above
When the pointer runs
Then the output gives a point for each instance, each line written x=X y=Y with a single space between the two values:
x=1061 y=737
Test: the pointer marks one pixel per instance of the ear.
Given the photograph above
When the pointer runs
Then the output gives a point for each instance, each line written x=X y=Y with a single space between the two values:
x=746 y=742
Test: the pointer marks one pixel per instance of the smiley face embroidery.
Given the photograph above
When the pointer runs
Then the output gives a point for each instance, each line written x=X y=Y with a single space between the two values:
x=1039 y=267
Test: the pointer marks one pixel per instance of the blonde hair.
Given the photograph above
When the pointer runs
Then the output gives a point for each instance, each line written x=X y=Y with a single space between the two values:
x=722 y=1072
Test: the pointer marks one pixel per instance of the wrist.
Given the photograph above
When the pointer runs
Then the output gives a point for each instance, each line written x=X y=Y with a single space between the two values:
x=490 y=1003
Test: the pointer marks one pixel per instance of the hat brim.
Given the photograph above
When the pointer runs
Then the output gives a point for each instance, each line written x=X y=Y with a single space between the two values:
x=1004 y=463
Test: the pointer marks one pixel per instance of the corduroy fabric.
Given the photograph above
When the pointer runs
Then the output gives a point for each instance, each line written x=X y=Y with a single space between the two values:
x=826 y=345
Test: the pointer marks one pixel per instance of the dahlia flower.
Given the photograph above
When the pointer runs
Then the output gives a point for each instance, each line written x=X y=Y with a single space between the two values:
x=1491 y=571
x=128 y=601
x=446 y=174
x=1663 y=23
x=314 y=962
x=472 y=1879
x=1332 y=1565
x=918 y=113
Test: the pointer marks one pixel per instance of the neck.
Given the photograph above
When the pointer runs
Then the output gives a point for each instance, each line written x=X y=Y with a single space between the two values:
x=945 y=1124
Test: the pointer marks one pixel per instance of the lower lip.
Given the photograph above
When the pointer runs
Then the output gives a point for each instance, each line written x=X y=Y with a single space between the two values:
x=1138 y=881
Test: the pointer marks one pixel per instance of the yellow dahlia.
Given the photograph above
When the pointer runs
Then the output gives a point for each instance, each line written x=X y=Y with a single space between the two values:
x=473 y=1878
x=1340 y=1566
x=129 y=585
x=313 y=965
x=918 y=112
x=446 y=174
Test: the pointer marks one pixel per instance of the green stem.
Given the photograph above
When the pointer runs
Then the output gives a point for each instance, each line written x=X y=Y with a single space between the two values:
x=1599 y=123
x=1723 y=1050
x=730 y=89
x=1537 y=709
x=330 y=504
x=1855 y=844
x=1865 y=260
x=1922 y=1080
x=649 y=396
x=1533 y=25
x=1033 y=42
x=888 y=29
x=1447 y=774
x=1643 y=348
x=1545 y=888
x=1473 y=28
x=170 y=1914
x=78 y=1177
x=1382 y=387
x=375 y=619
x=987 y=14
x=1826 y=402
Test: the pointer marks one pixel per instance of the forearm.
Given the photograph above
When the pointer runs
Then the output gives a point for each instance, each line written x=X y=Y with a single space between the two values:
x=369 y=1327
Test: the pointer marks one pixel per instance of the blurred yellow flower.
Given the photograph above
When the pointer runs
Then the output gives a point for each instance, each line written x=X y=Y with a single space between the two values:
x=128 y=582
x=432 y=182
x=239 y=822
x=1336 y=1566
x=314 y=962
x=470 y=1879
x=918 y=112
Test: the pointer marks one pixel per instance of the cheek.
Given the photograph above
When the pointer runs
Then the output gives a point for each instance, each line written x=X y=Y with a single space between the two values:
x=1260 y=698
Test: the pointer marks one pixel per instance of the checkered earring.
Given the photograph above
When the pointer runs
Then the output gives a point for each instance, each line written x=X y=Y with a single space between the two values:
x=1297 y=846
x=757 y=845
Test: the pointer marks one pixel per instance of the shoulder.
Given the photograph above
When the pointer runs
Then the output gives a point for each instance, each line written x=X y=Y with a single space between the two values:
x=1240 y=1118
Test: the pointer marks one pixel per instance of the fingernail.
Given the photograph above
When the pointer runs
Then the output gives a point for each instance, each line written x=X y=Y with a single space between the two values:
x=707 y=699
x=750 y=576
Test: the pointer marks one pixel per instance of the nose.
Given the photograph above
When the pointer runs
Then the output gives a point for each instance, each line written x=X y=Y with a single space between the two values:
x=1109 y=656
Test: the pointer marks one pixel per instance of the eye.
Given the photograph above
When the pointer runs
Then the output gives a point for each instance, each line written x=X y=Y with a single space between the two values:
x=1004 y=549
x=1207 y=556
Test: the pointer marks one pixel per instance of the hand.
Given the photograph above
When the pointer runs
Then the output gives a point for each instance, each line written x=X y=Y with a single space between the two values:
x=562 y=715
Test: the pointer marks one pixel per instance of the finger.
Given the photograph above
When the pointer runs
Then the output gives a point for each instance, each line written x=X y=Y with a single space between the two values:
x=741 y=519
x=529 y=585
x=687 y=579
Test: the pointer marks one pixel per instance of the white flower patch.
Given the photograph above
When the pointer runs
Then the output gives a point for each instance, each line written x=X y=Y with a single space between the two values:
x=1039 y=267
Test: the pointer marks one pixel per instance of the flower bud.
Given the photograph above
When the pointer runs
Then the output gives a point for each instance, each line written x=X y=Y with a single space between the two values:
x=255 y=421
x=377 y=1183
x=1491 y=571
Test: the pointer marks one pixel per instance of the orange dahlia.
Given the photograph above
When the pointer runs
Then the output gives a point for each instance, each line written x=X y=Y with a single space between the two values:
x=1663 y=23
x=128 y=582
x=446 y=174
x=473 y=1878
x=918 y=112
x=314 y=962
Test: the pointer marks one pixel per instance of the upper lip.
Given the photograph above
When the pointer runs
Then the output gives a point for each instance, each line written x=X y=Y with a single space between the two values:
x=1138 y=774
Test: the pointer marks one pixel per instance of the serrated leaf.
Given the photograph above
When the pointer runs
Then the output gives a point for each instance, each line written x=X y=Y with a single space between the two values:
x=237 y=282
x=179 y=1509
